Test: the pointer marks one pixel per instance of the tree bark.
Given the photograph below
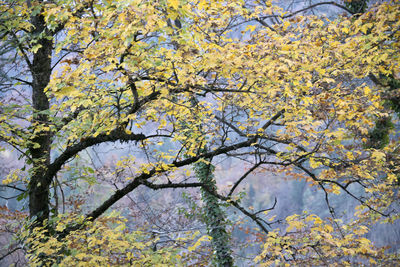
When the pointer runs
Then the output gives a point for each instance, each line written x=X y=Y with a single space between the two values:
x=41 y=138
x=214 y=216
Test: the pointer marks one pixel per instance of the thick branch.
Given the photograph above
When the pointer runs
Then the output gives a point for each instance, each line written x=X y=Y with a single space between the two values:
x=120 y=193
x=140 y=179
x=253 y=216
x=146 y=175
x=71 y=151
x=170 y=185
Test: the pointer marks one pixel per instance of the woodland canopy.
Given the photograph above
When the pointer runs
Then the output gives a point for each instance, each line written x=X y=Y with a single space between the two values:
x=167 y=92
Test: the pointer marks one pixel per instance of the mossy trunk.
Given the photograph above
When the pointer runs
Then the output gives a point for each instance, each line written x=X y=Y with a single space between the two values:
x=214 y=215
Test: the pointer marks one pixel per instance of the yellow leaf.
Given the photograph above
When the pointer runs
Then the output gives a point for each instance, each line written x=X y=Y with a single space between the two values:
x=202 y=5
x=60 y=227
x=349 y=155
x=328 y=228
x=198 y=242
x=173 y=3
x=377 y=155
x=286 y=47
x=250 y=28
x=286 y=24
x=66 y=91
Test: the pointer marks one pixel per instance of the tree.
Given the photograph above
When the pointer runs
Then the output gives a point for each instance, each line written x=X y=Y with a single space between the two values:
x=294 y=95
x=213 y=214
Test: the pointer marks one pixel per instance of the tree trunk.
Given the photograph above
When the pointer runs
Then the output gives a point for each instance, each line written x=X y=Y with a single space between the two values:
x=215 y=217
x=41 y=138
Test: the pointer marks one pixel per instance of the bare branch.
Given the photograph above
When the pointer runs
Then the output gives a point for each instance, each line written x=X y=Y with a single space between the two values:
x=170 y=185
x=243 y=177
x=19 y=45
x=9 y=253
x=13 y=187
x=314 y=177
x=308 y=8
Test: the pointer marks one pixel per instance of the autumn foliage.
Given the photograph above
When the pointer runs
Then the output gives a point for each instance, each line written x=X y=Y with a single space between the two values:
x=300 y=96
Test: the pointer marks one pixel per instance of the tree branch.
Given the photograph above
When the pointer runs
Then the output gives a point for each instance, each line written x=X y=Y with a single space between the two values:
x=9 y=253
x=13 y=187
x=252 y=216
x=138 y=180
x=243 y=177
x=170 y=185
x=307 y=8
x=26 y=58
x=71 y=151
x=320 y=182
